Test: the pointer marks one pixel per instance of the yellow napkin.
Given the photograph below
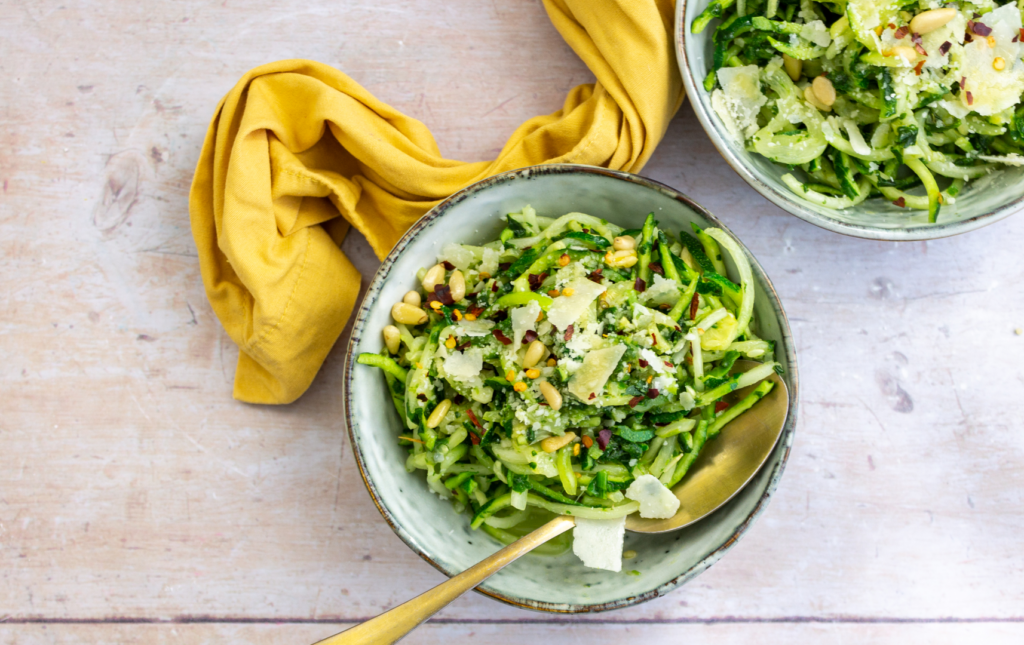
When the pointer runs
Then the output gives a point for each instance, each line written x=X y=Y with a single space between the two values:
x=296 y=144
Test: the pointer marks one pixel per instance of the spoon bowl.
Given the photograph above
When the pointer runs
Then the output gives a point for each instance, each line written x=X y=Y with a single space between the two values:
x=729 y=461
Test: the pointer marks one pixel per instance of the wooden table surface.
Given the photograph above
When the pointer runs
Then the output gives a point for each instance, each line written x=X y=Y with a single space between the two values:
x=138 y=501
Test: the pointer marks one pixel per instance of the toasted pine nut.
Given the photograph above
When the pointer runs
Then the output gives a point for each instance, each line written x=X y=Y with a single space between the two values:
x=551 y=395
x=433 y=277
x=406 y=314
x=628 y=555
x=533 y=354
x=554 y=293
x=624 y=259
x=824 y=91
x=624 y=243
x=813 y=100
x=437 y=415
x=928 y=21
x=552 y=444
x=392 y=338
x=563 y=260
x=998 y=63
x=519 y=386
x=794 y=66
x=457 y=284
x=908 y=54
x=485 y=276
x=587 y=441
x=413 y=298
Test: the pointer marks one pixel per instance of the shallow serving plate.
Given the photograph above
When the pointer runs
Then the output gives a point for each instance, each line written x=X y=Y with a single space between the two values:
x=429 y=525
x=982 y=202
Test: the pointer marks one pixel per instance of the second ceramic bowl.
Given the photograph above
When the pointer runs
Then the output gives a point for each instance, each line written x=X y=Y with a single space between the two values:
x=983 y=202
x=429 y=525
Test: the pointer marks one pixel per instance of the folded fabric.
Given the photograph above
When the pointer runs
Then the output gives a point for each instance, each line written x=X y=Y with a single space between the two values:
x=298 y=152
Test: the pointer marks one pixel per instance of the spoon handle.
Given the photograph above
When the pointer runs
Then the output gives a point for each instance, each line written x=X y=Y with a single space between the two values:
x=396 y=623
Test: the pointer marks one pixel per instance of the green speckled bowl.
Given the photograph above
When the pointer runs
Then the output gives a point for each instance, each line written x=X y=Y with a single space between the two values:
x=982 y=202
x=429 y=525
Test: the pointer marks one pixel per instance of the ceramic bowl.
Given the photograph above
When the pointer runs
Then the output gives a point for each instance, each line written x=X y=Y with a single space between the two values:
x=983 y=201
x=429 y=525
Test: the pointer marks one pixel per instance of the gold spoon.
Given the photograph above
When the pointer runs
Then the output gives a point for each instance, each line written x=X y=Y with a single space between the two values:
x=724 y=467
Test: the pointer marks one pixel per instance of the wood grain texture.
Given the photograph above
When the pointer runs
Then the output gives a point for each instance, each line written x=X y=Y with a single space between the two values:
x=132 y=487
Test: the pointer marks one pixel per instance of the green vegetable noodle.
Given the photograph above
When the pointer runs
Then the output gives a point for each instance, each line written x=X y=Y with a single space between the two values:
x=546 y=371
x=896 y=100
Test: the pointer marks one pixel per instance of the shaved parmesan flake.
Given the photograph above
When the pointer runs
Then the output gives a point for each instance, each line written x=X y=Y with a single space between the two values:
x=490 y=262
x=993 y=91
x=598 y=543
x=589 y=380
x=657 y=364
x=816 y=32
x=523 y=320
x=464 y=366
x=458 y=255
x=741 y=96
x=566 y=310
x=656 y=500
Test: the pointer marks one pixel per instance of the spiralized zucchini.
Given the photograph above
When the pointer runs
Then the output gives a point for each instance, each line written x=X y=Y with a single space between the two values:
x=566 y=359
x=903 y=100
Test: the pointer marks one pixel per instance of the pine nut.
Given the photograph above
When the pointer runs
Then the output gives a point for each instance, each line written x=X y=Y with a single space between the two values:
x=406 y=314
x=437 y=415
x=551 y=395
x=552 y=444
x=823 y=90
x=929 y=21
x=813 y=100
x=533 y=354
x=457 y=284
x=433 y=277
x=908 y=54
x=624 y=258
x=392 y=338
x=624 y=243
x=794 y=66
x=413 y=298
x=998 y=63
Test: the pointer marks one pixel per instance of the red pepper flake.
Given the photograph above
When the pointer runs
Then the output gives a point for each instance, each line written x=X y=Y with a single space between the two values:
x=944 y=48
x=463 y=347
x=448 y=266
x=587 y=441
x=968 y=39
x=432 y=298
x=901 y=32
x=694 y=304
x=498 y=316
x=654 y=339
x=603 y=438
x=586 y=230
x=472 y=417
x=639 y=285
x=536 y=280
x=529 y=337
x=963 y=82
x=643 y=363
x=980 y=28
x=494 y=287
x=595 y=276
x=474 y=439
x=636 y=399
x=505 y=340
x=669 y=365
x=657 y=268
x=891 y=26
x=444 y=294
x=653 y=393
x=568 y=333
x=720 y=406
x=918 y=67
x=970 y=99
x=920 y=49
x=1021 y=33
x=504 y=266
x=476 y=310
x=421 y=397
x=458 y=399
x=900 y=202
x=592 y=396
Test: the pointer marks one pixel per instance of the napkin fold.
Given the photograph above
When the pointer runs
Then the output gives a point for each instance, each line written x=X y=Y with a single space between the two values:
x=298 y=152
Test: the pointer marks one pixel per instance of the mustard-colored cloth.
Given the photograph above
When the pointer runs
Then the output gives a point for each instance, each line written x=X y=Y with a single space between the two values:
x=296 y=143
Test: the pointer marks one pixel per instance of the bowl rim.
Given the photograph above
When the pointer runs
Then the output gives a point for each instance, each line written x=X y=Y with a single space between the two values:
x=785 y=438
x=787 y=201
